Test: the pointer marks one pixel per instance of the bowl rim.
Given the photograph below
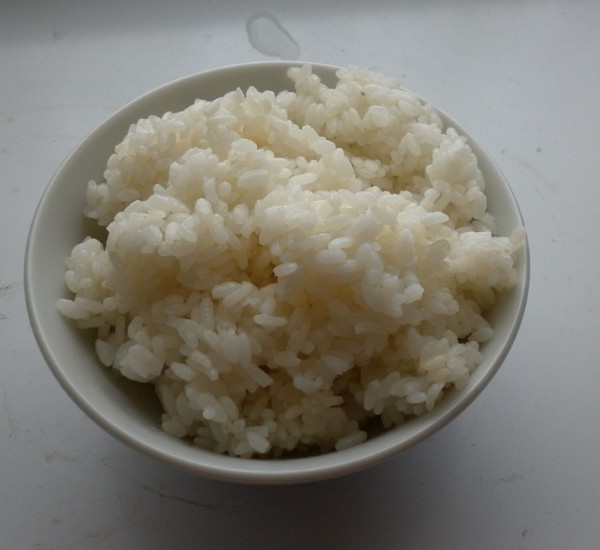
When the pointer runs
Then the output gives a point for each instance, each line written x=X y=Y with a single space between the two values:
x=259 y=471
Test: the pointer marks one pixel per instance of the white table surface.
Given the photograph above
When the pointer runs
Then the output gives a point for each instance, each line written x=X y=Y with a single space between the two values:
x=519 y=469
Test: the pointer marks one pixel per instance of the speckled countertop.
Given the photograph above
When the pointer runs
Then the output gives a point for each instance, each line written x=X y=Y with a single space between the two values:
x=517 y=470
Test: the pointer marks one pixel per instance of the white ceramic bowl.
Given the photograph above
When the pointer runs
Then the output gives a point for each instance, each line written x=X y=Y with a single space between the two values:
x=131 y=411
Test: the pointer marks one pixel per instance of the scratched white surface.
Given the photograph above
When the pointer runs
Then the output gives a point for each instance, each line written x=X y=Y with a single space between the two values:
x=519 y=469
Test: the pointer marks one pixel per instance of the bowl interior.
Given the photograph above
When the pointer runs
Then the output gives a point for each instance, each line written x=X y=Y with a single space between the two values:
x=130 y=411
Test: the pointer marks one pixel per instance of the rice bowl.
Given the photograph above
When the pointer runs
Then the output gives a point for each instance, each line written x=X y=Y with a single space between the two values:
x=306 y=362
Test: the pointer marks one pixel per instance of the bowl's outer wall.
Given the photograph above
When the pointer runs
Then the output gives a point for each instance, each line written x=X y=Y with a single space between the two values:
x=131 y=411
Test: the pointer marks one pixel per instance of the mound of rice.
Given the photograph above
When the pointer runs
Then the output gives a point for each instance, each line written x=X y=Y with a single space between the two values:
x=286 y=267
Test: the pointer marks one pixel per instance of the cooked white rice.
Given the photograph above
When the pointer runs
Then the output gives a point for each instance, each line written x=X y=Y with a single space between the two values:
x=286 y=267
